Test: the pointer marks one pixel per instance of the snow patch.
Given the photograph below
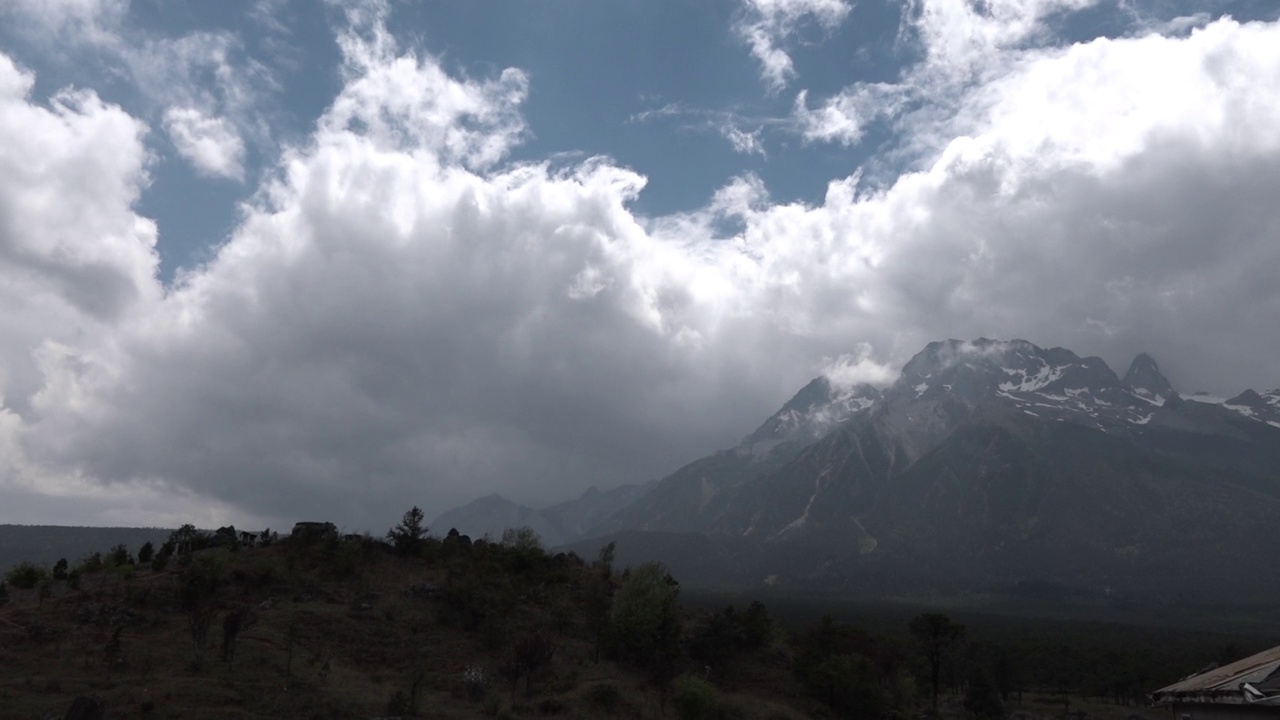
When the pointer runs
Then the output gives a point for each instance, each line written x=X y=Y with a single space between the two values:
x=1143 y=421
x=1149 y=396
x=1206 y=399
x=1242 y=409
x=1031 y=383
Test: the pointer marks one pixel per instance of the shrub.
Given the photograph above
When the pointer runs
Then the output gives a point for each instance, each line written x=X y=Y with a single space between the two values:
x=551 y=706
x=399 y=704
x=92 y=563
x=475 y=681
x=25 y=575
x=696 y=699
x=146 y=552
x=60 y=569
x=606 y=696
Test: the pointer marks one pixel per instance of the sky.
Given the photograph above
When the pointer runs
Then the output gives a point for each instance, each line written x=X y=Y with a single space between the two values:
x=273 y=260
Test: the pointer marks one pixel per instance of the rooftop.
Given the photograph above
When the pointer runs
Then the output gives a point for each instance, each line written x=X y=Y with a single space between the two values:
x=1253 y=680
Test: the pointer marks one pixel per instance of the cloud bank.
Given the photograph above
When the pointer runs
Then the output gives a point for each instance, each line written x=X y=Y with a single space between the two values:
x=404 y=315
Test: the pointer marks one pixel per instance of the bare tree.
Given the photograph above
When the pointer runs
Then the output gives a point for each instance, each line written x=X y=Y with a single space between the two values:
x=935 y=632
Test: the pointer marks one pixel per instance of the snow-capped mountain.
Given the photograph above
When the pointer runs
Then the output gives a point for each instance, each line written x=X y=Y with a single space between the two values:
x=989 y=462
x=814 y=411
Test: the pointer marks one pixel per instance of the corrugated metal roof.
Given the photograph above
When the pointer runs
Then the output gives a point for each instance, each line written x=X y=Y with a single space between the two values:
x=1226 y=679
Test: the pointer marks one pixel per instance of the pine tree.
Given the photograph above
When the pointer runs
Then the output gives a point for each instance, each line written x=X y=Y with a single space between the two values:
x=410 y=535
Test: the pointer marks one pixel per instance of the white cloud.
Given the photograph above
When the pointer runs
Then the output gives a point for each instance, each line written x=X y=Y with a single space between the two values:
x=405 y=312
x=856 y=368
x=961 y=37
x=76 y=262
x=767 y=25
x=60 y=20
x=964 y=44
x=74 y=257
x=844 y=117
x=746 y=143
x=201 y=86
x=210 y=144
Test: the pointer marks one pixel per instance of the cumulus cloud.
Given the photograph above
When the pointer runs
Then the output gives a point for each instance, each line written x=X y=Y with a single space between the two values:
x=210 y=144
x=767 y=25
x=76 y=263
x=405 y=315
x=73 y=256
x=964 y=44
x=201 y=86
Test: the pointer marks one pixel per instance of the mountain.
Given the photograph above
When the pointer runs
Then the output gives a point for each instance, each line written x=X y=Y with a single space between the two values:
x=559 y=524
x=492 y=514
x=994 y=465
x=576 y=518
x=696 y=495
x=46 y=544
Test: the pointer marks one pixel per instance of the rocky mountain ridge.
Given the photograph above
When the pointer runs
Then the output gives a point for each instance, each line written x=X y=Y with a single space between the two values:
x=987 y=463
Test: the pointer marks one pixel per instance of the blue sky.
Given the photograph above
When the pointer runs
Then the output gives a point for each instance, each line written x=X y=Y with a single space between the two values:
x=369 y=253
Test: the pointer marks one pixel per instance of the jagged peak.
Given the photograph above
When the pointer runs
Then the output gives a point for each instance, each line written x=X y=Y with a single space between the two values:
x=1248 y=398
x=1144 y=375
x=819 y=406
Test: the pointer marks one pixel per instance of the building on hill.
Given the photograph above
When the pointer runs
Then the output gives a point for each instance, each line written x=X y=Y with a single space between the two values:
x=313 y=531
x=1247 y=689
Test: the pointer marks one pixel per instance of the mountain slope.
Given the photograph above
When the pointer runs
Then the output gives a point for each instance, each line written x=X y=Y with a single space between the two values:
x=991 y=463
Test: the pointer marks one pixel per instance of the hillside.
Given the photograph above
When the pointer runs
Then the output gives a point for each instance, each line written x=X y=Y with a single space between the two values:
x=317 y=626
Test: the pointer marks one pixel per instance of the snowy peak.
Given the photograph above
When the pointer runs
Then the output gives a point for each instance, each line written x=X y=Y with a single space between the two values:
x=973 y=371
x=814 y=411
x=1146 y=380
x=1262 y=408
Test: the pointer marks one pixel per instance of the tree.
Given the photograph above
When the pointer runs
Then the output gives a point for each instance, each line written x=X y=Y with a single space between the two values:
x=522 y=539
x=716 y=638
x=757 y=625
x=60 y=569
x=232 y=623
x=599 y=596
x=848 y=684
x=530 y=654
x=982 y=699
x=409 y=536
x=935 y=633
x=119 y=556
x=184 y=539
x=25 y=575
x=644 y=622
x=146 y=553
